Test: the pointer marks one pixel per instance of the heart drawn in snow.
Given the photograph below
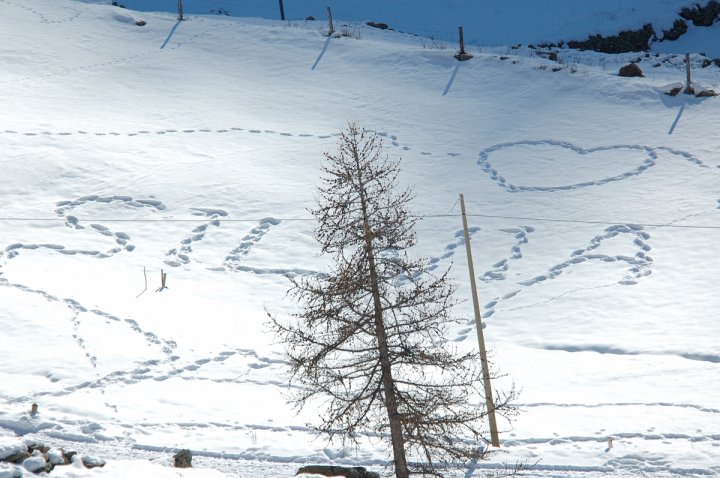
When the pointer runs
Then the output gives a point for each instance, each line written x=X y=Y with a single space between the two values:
x=535 y=165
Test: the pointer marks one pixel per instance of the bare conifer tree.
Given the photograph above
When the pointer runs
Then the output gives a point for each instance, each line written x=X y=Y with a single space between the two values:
x=369 y=338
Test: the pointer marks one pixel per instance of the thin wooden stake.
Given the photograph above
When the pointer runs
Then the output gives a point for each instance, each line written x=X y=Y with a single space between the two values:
x=331 y=30
x=494 y=438
x=180 y=10
x=143 y=291
x=282 y=11
x=687 y=66
x=163 y=281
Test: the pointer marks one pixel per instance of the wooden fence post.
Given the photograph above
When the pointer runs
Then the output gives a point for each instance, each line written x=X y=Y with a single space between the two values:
x=688 y=89
x=331 y=30
x=282 y=11
x=163 y=281
x=462 y=55
x=180 y=11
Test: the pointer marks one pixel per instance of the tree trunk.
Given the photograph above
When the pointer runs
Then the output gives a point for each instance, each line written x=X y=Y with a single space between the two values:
x=398 y=443
x=396 y=435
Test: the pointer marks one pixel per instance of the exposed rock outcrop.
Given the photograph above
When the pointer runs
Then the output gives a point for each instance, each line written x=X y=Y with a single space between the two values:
x=639 y=40
x=702 y=16
x=32 y=456
x=678 y=29
x=623 y=42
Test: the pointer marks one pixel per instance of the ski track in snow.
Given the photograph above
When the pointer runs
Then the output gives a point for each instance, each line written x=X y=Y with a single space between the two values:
x=152 y=369
x=639 y=266
x=621 y=404
x=556 y=440
x=120 y=239
x=121 y=242
x=629 y=462
x=41 y=16
x=604 y=349
x=173 y=366
x=166 y=346
x=434 y=262
x=650 y=161
x=169 y=367
x=497 y=273
x=116 y=61
x=77 y=308
x=175 y=131
x=484 y=161
x=451 y=248
x=180 y=255
x=234 y=260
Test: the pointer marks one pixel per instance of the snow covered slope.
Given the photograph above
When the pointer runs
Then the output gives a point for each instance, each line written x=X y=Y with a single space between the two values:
x=486 y=22
x=194 y=148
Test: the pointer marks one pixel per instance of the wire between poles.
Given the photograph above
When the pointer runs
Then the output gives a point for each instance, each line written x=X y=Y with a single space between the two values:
x=424 y=216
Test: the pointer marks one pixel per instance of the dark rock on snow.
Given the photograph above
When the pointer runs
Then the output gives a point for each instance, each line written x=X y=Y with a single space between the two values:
x=37 y=446
x=630 y=70
x=93 y=462
x=18 y=457
x=183 y=459
x=68 y=455
x=381 y=26
x=324 y=470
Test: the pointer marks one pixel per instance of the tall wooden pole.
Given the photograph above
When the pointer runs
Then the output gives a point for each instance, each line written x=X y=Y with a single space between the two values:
x=282 y=11
x=180 y=12
x=331 y=30
x=494 y=439
x=687 y=66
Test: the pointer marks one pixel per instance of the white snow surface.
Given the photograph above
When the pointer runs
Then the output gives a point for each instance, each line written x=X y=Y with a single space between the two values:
x=485 y=22
x=194 y=148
